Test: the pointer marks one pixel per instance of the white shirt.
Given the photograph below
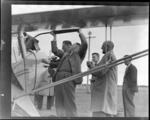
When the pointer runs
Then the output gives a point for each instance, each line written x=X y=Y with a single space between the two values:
x=127 y=67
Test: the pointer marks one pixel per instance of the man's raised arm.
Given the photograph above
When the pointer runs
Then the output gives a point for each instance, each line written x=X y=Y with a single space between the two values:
x=55 y=50
x=84 y=45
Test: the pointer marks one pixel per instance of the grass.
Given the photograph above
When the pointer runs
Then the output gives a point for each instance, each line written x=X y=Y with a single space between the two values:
x=83 y=99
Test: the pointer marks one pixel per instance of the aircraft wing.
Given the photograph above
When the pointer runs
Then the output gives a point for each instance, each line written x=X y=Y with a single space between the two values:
x=22 y=106
x=85 y=17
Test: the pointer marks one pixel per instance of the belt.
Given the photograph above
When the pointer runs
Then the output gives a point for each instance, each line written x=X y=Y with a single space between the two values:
x=125 y=83
x=68 y=71
x=92 y=81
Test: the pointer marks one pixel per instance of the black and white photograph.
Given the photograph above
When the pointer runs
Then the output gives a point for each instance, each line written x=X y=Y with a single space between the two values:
x=78 y=60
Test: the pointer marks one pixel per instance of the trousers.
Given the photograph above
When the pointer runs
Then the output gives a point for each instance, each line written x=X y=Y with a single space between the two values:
x=128 y=101
x=65 y=101
x=50 y=101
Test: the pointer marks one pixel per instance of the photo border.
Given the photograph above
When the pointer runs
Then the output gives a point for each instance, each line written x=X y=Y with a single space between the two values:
x=5 y=53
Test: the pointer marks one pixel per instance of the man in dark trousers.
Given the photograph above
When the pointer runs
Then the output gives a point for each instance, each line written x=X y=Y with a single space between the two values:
x=129 y=88
x=70 y=64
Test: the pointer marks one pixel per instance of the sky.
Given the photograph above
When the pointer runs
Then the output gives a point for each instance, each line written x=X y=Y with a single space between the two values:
x=127 y=40
x=22 y=9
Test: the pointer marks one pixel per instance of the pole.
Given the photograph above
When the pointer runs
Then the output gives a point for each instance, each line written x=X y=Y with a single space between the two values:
x=89 y=33
x=88 y=91
x=58 y=31
x=106 y=32
x=20 y=41
x=15 y=54
x=110 y=33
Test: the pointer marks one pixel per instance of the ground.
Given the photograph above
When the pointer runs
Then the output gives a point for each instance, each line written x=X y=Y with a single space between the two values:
x=83 y=103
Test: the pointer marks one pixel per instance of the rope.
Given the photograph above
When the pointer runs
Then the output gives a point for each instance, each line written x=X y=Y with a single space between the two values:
x=115 y=63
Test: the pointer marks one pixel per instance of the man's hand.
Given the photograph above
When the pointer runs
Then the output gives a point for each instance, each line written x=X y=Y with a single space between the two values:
x=108 y=62
x=45 y=61
x=79 y=31
x=53 y=58
x=89 y=64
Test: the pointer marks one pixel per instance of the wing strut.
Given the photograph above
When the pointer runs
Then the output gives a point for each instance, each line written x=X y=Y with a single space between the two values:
x=20 y=28
x=110 y=33
x=106 y=32
x=112 y=64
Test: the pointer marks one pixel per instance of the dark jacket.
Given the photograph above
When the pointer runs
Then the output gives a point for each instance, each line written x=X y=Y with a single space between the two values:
x=75 y=58
x=55 y=63
x=131 y=78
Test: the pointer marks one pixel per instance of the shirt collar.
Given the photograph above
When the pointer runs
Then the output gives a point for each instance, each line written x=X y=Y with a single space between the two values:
x=128 y=65
x=98 y=62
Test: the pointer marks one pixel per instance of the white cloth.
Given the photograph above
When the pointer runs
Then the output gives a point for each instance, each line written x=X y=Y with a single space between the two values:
x=104 y=92
x=42 y=76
